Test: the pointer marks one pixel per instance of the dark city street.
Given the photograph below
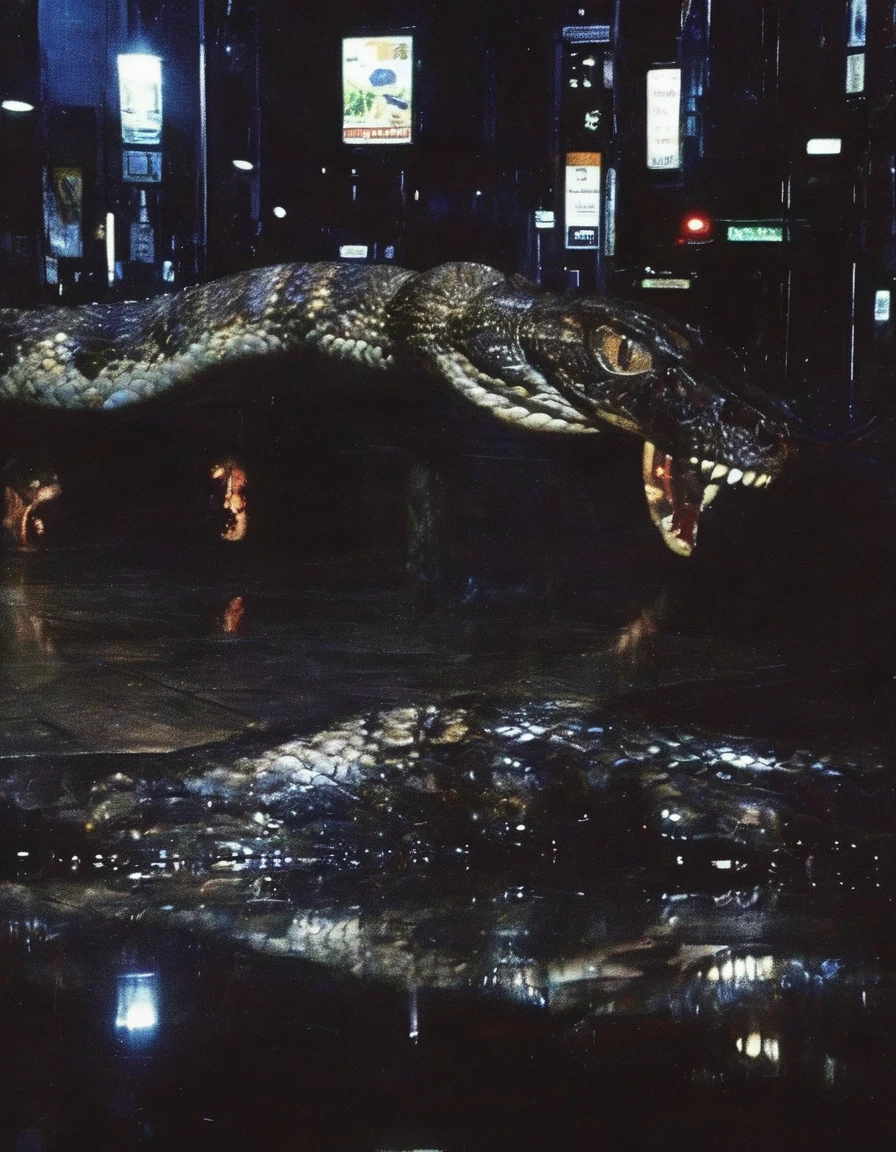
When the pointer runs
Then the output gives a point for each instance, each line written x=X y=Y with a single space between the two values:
x=447 y=575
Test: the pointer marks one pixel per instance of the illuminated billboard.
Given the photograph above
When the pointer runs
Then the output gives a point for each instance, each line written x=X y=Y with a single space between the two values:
x=377 y=89
x=582 y=199
x=140 y=89
x=663 y=133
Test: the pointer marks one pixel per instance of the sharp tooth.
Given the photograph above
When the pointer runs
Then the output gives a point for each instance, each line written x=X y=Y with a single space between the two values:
x=734 y=475
x=749 y=477
x=706 y=466
x=695 y=459
x=763 y=481
x=709 y=494
x=718 y=472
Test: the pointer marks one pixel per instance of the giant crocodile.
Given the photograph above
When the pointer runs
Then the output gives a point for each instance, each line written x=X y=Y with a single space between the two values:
x=549 y=364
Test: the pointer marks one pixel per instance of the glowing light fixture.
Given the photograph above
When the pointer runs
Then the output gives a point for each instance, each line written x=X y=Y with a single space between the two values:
x=243 y=165
x=17 y=106
x=824 y=146
x=279 y=211
x=696 y=226
x=110 y=247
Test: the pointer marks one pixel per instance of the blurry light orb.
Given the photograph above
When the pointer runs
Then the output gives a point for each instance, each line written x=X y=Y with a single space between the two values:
x=243 y=165
x=697 y=224
x=279 y=211
x=17 y=106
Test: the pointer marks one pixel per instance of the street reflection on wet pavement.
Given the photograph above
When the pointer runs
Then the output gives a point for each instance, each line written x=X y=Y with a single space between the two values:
x=289 y=863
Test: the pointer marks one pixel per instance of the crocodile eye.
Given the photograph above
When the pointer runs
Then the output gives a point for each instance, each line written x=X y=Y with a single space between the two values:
x=619 y=353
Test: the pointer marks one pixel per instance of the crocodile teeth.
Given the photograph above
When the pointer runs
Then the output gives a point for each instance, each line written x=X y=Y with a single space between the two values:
x=718 y=472
x=748 y=479
x=734 y=475
x=707 y=466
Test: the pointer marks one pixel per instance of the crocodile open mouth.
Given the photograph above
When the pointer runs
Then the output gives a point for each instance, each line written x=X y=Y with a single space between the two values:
x=678 y=491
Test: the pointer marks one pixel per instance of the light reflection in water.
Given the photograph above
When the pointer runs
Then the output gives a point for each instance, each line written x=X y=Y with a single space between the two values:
x=137 y=1008
x=754 y=1045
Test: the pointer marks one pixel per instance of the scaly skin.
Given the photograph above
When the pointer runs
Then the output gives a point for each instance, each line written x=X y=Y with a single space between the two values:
x=449 y=844
x=567 y=365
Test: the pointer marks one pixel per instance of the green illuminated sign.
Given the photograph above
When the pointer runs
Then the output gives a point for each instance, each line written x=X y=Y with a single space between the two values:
x=755 y=233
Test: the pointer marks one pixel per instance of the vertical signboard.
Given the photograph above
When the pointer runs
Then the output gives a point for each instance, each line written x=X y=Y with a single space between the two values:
x=663 y=119
x=140 y=90
x=377 y=89
x=582 y=199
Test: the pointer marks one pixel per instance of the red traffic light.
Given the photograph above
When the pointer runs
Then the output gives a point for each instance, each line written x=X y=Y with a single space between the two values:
x=696 y=226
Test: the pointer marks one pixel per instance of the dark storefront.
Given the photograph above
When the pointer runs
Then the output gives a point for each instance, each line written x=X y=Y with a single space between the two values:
x=372 y=773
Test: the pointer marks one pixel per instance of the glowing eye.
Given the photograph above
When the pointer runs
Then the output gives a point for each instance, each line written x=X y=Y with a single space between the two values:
x=619 y=353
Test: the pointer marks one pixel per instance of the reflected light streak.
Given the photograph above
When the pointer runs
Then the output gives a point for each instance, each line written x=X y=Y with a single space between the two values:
x=233 y=480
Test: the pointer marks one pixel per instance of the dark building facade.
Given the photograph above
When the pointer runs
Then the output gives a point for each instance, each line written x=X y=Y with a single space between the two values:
x=730 y=163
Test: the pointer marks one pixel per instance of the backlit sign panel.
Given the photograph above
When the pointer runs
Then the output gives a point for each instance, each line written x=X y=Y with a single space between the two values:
x=855 y=73
x=756 y=233
x=663 y=119
x=582 y=199
x=140 y=91
x=377 y=89
x=824 y=146
x=665 y=282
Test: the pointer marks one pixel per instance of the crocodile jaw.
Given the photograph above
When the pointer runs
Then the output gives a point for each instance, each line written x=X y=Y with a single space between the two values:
x=676 y=495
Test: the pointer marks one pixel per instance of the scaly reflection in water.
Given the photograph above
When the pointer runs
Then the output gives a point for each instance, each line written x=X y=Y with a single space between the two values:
x=543 y=854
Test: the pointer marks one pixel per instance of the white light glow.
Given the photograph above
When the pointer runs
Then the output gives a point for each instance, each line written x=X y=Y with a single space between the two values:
x=110 y=247
x=17 y=106
x=138 y=1002
x=280 y=212
x=882 y=305
x=243 y=165
x=824 y=146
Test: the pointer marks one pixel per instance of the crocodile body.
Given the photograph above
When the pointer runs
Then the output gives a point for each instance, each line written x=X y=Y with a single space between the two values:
x=547 y=364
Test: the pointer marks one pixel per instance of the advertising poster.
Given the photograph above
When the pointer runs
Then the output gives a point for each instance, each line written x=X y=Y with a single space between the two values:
x=582 y=199
x=377 y=89
x=63 y=211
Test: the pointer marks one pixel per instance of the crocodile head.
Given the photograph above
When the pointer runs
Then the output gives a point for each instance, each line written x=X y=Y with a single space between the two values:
x=703 y=426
